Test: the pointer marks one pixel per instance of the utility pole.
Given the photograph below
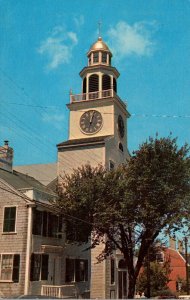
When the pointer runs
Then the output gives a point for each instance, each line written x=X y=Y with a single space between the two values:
x=186 y=265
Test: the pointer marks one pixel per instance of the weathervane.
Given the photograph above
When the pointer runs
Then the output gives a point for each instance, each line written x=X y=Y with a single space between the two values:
x=99 y=28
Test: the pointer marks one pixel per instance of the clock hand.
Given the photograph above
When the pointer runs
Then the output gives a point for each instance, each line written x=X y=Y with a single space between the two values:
x=91 y=117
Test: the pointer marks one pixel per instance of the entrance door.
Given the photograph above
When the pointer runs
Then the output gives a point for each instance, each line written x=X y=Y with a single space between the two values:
x=122 y=284
x=122 y=280
x=54 y=270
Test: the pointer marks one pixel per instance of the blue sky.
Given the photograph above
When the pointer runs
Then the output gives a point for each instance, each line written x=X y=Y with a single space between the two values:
x=43 y=48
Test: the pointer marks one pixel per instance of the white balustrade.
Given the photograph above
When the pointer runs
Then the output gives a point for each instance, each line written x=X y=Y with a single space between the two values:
x=58 y=291
x=92 y=96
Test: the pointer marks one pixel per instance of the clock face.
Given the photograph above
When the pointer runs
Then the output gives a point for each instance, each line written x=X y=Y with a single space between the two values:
x=121 y=126
x=91 y=121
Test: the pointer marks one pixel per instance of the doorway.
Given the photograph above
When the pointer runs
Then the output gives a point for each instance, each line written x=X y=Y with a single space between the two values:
x=122 y=280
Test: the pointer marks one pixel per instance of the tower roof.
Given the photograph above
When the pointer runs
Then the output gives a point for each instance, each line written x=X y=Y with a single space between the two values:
x=99 y=45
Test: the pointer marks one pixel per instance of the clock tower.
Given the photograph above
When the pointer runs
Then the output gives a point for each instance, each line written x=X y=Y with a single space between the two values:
x=98 y=135
x=98 y=117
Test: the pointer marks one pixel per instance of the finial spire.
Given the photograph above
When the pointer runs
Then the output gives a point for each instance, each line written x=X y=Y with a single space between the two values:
x=99 y=29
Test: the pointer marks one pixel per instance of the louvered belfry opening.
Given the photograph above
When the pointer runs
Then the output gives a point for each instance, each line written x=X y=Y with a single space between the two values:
x=93 y=83
x=104 y=57
x=106 y=82
x=84 y=86
x=114 y=85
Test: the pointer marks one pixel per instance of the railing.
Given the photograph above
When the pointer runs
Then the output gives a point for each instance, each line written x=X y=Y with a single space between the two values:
x=92 y=96
x=59 y=291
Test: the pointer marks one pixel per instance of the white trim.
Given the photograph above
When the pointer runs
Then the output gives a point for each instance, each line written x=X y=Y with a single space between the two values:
x=16 y=192
x=28 y=251
x=9 y=232
x=1 y=254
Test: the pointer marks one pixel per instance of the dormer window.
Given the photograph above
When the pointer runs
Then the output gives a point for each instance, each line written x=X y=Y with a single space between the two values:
x=160 y=257
x=96 y=57
x=104 y=57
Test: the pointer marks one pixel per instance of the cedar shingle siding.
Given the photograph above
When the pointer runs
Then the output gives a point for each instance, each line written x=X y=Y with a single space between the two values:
x=13 y=243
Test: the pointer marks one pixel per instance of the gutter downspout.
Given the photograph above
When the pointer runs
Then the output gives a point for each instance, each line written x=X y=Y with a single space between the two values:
x=28 y=251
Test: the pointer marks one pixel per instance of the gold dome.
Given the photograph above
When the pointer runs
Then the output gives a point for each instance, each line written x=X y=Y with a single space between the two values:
x=99 y=45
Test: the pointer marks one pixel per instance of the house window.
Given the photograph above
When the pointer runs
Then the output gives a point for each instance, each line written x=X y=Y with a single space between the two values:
x=160 y=257
x=9 y=267
x=81 y=266
x=46 y=224
x=112 y=263
x=39 y=267
x=76 y=270
x=9 y=219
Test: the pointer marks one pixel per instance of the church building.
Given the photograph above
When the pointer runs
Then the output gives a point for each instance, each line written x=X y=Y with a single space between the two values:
x=97 y=135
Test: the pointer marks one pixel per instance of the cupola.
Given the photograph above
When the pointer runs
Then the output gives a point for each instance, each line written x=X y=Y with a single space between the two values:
x=99 y=78
x=99 y=53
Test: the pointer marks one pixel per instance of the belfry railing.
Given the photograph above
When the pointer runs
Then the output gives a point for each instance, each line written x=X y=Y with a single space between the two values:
x=92 y=96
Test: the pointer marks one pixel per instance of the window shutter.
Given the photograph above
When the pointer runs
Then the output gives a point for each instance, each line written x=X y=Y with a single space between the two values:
x=45 y=223
x=44 y=271
x=70 y=269
x=16 y=266
x=32 y=267
x=77 y=270
x=86 y=270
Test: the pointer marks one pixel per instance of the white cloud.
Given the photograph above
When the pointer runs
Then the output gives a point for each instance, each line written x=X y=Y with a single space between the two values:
x=125 y=39
x=79 y=20
x=54 y=118
x=58 y=47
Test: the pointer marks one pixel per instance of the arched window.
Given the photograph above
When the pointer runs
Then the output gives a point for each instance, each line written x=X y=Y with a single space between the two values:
x=106 y=82
x=93 y=83
x=114 y=85
x=121 y=147
x=84 y=86
x=122 y=264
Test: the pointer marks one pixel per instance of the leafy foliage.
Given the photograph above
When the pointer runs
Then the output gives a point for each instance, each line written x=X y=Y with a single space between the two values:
x=159 y=277
x=132 y=204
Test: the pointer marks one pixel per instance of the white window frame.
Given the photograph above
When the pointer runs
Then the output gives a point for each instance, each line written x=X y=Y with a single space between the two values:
x=75 y=269
x=10 y=232
x=12 y=267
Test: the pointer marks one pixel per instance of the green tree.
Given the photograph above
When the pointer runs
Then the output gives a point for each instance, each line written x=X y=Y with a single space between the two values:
x=159 y=277
x=132 y=204
x=157 y=269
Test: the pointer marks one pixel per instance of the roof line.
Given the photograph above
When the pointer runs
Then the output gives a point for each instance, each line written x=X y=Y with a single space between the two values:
x=15 y=191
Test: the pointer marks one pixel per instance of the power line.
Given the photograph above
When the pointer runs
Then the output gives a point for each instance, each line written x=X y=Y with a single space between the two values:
x=104 y=113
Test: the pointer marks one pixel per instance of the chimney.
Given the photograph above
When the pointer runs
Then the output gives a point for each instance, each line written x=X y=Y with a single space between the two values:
x=180 y=246
x=172 y=243
x=6 y=157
